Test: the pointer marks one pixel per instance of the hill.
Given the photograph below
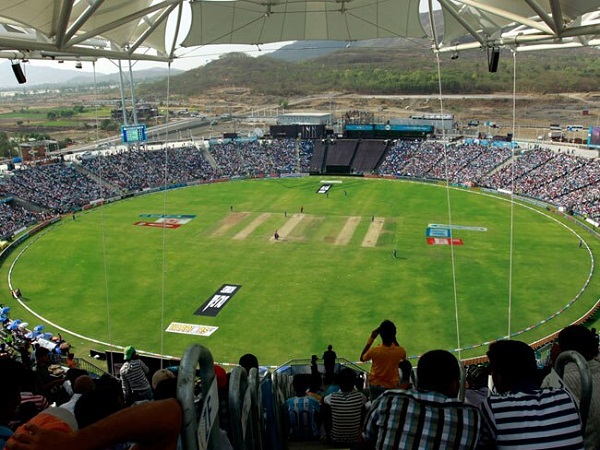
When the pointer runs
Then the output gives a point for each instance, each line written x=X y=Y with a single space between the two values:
x=406 y=69
x=49 y=77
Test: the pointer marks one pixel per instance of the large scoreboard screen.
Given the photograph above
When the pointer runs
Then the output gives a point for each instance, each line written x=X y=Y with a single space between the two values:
x=133 y=133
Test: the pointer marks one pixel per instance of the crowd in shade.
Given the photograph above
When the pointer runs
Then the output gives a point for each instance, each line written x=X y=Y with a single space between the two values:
x=14 y=217
x=558 y=178
x=512 y=401
x=61 y=188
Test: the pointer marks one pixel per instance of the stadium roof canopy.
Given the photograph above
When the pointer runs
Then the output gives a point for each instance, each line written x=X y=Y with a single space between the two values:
x=137 y=29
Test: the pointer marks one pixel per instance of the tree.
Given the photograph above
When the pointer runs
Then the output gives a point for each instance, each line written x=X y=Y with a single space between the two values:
x=5 y=145
x=108 y=125
x=65 y=142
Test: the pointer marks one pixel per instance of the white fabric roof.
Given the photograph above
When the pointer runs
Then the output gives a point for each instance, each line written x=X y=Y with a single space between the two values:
x=119 y=29
x=127 y=29
x=521 y=24
x=258 y=21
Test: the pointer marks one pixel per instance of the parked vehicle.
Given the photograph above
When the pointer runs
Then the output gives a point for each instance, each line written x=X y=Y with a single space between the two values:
x=556 y=135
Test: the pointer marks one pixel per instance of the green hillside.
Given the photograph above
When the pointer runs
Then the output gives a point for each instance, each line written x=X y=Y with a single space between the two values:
x=408 y=69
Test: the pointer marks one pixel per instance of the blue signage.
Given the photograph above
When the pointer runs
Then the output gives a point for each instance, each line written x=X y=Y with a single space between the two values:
x=413 y=128
x=438 y=233
x=359 y=127
x=390 y=127
x=133 y=133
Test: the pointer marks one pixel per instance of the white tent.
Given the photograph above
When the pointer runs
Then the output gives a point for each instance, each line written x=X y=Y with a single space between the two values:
x=80 y=29
x=137 y=29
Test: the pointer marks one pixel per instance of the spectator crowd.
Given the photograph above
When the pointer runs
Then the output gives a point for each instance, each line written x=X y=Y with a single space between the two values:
x=557 y=178
x=509 y=402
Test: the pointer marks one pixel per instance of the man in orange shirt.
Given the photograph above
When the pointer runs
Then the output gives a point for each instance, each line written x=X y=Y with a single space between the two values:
x=385 y=358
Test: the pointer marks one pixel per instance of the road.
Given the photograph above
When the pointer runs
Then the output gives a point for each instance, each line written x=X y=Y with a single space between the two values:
x=158 y=133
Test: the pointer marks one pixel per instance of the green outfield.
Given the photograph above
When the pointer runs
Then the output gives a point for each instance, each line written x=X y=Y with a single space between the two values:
x=329 y=279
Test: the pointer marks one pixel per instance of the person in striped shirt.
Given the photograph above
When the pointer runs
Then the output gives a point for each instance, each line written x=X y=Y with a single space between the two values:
x=134 y=378
x=430 y=417
x=343 y=410
x=520 y=414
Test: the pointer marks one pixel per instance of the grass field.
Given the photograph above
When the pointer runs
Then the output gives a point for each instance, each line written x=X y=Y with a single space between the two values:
x=101 y=276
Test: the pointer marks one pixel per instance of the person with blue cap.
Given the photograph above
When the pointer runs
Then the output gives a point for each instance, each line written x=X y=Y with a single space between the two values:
x=134 y=377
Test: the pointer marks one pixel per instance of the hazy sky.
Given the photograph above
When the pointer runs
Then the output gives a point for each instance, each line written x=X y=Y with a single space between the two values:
x=188 y=58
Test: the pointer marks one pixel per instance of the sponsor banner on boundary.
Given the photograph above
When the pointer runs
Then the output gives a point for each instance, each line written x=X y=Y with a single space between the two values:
x=456 y=227
x=218 y=300
x=157 y=225
x=438 y=232
x=175 y=221
x=20 y=230
x=168 y=216
x=293 y=175
x=593 y=222
x=189 y=328
x=444 y=241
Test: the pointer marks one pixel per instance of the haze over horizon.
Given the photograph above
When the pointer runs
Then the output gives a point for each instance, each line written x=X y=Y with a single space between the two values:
x=188 y=58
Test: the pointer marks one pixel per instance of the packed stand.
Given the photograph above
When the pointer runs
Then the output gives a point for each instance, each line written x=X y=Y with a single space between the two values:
x=525 y=164
x=60 y=188
x=410 y=158
x=458 y=163
x=561 y=179
x=557 y=178
x=262 y=157
x=57 y=187
x=468 y=163
x=136 y=170
x=582 y=189
x=14 y=217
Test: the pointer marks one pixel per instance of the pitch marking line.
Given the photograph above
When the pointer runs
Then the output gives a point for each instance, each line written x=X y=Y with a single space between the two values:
x=287 y=227
x=373 y=232
x=347 y=231
x=228 y=222
x=252 y=226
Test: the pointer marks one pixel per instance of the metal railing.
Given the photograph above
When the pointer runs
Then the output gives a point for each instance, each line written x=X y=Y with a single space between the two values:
x=585 y=378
